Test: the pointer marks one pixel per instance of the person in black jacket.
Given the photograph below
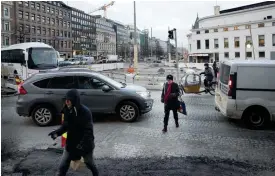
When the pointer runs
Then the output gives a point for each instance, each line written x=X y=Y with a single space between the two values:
x=78 y=124
x=169 y=97
x=208 y=75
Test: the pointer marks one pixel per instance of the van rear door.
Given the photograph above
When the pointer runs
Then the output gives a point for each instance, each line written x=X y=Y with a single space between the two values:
x=223 y=86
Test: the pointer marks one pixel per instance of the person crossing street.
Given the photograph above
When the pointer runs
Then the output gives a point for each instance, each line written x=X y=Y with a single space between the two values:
x=78 y=123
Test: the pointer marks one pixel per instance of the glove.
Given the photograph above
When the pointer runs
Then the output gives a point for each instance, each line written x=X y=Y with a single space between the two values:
x=53 y=135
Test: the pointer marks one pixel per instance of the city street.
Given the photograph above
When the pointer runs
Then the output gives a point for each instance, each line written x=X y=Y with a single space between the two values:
x=205 y=137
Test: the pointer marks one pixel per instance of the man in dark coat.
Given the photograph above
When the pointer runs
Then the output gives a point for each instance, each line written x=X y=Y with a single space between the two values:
x=169 y=97
x=78 y=124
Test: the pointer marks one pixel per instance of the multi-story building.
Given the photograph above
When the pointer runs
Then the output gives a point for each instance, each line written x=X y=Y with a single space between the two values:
x=83 y=33
x=105 y=37
x=6 y=22
x=122 y=38
x=245 y=32
x=43 y=21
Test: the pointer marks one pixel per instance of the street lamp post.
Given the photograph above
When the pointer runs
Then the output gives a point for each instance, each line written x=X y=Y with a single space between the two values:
x=135 y=39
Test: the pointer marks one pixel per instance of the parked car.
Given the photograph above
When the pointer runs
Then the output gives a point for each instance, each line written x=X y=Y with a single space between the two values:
x=246 y=90
x=40 y=96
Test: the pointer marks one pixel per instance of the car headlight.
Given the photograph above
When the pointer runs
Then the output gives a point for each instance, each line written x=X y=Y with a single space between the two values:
x=144 y=94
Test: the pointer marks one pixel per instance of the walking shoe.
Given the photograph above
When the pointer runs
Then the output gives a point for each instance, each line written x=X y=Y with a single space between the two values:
x=164 y=130
x=177 y=124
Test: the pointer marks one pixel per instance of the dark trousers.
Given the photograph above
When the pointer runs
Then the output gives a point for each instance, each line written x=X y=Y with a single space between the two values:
x=167 y=113
x=66 y=161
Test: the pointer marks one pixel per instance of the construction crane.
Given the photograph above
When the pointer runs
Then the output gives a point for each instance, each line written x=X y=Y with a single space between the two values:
x=104 y=8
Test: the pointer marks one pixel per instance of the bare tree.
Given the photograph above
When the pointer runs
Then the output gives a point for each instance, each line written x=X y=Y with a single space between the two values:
x=21 y=34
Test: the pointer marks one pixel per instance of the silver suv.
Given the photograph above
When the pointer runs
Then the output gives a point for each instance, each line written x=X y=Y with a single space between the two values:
x=41 y=96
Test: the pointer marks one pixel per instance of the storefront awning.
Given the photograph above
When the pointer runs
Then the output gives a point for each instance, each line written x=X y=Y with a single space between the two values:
x=199 y=54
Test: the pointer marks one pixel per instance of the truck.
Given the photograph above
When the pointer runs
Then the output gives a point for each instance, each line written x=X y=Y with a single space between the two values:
x=112 y=58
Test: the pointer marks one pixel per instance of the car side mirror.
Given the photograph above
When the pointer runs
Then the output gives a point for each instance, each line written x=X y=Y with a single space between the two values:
x=106 y=88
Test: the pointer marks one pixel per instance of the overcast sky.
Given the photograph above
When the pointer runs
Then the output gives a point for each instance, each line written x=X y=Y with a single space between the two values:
x=158 y=14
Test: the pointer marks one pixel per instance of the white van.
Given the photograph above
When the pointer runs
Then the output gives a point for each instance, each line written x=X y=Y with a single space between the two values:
x=246 y=90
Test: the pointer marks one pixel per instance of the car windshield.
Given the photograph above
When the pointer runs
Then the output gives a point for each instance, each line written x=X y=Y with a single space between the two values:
x=42 y=58
x=109 y=80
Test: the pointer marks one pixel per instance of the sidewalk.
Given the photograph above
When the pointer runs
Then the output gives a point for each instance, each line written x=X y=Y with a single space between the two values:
x=45 y=162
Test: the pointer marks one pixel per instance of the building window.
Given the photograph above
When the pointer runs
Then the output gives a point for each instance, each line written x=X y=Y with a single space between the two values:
x=226 y=43
x=21 y=27
x=52 y=10
x=28 y=39
x=247 y=26
x=53 y=21
x=198 y=44
x=273 y=39
x=216 y=43
x=20 y=2
x=43 y=8
x=236 y=28
x=225 y=29
x=237 y=42
x=61 y=43
x=27 y=3
x=57 y=32
x=32 y=5
x=69 y=24
x=48 y=9
x=261 y=40
x=43 y=19
x=249 y=54
x=27 y=28
x=38 y=6
x=38 y=40
x=38 y=30
x=53 y=32
x=49 y=31
x=27 y=16
x=33 y=29
x=237 y=54
x=248 y=39
x=198 y=32
x=206 y=31
x=38 y=18
x=33 y=40
x=65 y=24
x=273 y=23
x=48 y=20
x=261 y=54
x=44 y=31
x=33 y=17
x=20 y=14
x=65 y=43
x=6 y=12
x=7 y=26
x=6 y=41
x=226 y=55
x=261 y=25
x=207 y=44
x=44 y=40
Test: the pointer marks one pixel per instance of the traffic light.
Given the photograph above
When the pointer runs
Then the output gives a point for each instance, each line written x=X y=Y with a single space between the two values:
x=171 y=34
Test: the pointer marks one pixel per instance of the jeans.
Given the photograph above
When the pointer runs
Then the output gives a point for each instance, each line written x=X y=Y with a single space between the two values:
x=167 y=113
x=66 y=161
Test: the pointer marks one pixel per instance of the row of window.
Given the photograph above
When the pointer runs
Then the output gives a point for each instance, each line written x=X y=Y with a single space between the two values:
x=83 y=34
x=43 y=8
x=78 y=40
x=82 y=27
x=261 y=42
x=61 y=44
x=42 y=30
x=82 y=22
x=247 y=54
x=70 y=82
x=82 y=15
x=260 y=25
x=102 y=27
x=43 y=19
x=103 y=22
x=81 y=45
x=103 y=46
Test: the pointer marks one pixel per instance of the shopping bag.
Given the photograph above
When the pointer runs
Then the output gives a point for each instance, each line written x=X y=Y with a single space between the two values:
x=76 y=164
x=182 y=108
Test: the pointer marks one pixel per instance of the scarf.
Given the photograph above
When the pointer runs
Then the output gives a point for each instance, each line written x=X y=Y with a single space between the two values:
x=167 y=93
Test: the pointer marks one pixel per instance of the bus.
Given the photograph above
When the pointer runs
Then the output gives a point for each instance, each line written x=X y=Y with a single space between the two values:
x=24 y=59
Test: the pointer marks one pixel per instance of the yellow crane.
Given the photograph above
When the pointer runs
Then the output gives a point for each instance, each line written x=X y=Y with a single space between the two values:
x=104 y=7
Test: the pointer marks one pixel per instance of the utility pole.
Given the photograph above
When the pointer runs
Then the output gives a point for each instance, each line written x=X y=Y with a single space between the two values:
x=151 y=43
x=169 y=48
x=135 y=40
x=177 y=57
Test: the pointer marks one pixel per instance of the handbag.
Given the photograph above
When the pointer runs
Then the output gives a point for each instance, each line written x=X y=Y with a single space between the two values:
x=182 y=108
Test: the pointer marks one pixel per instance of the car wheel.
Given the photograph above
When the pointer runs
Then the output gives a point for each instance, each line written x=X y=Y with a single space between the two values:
x=256 y=118
x=43 y=115
x=128 y=111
